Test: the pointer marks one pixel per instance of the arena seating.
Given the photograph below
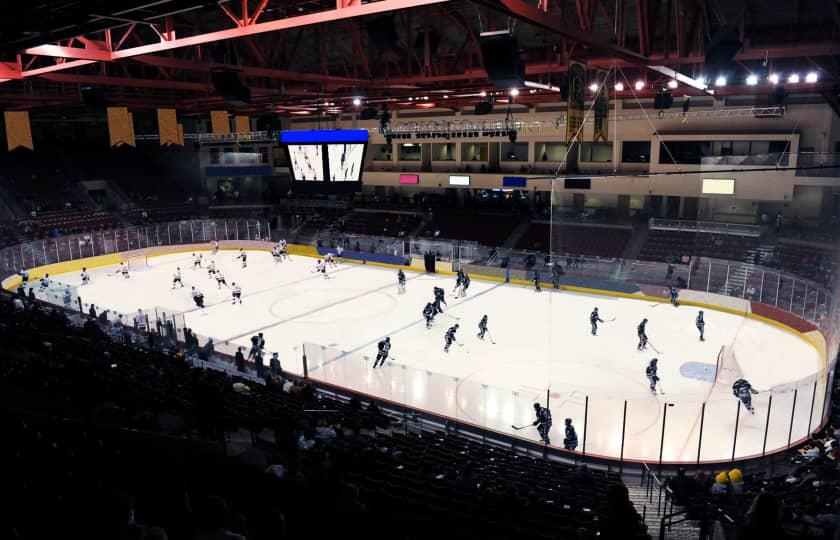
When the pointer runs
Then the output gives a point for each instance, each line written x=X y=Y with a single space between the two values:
x=489 y=230
x=378 y=223
x=68 y=221
x=662 y=245
x=806 y=261
x=125 y=437
x=575 y=240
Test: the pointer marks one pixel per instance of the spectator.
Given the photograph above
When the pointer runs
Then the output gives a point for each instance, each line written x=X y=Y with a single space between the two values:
x=720 y=487
x=239 y=360
x=621 y=521
x=736 y=481
x=763 y=520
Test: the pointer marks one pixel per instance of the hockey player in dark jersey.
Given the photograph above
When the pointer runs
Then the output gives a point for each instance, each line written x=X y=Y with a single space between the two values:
x=743 y=390
x=543 y=422
x=429 y=314
x=537 y=286
x=594 y=319
x=674 y=294
x=449 y=338
x=570 y=441
x=555 y=276
x=650 y=373
x=641 y=332
x=482 y=327
x=701 y=326
x=382 y=355
x=465 y=284
x=400 y=281
x=459 y=281
x=439 y=293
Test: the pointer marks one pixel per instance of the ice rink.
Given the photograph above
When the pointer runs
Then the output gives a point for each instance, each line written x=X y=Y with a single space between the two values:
x=542 y=340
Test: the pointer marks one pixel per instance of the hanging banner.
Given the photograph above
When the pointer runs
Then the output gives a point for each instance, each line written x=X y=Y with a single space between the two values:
x=168 y=127
x=181 y=134
x=120 y=126
x=602 y=110
x=577 y=98
x=219 y=122
x=18 y=130
x=242 y=124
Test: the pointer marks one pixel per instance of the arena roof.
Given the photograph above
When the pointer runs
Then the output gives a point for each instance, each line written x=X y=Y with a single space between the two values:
x=317 y=55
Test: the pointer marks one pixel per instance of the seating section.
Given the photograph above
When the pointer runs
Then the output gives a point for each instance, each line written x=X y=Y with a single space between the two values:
x=671 y=246
x=806 y=261
x=378 y=223
x=489 y=230
x=128 y=437
x=68 y=221
x=579 y=240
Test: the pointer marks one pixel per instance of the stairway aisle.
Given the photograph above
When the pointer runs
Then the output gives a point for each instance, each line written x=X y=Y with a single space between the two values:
x=686 y=530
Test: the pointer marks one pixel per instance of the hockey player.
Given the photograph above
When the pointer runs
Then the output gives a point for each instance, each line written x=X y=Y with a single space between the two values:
x=68 y=298
x=570 y=441
x=329 y=259
x=321 y=268
x=338 y=251
x=537 y=286
x=465 y=284
x=275 y=253
x=543 y=422
x=674 y=294
x=743 y=390
x=85 y=276
x=243 y=256
x=141 y=321
x=429 y=314
x=211 y=269
x=124 y=269
x=701 y=326
x=438 y=299
x=176 y=278
x=236 y=293
x=196 y=260
x=198 y=297
x=555 y=276
x=641 y=332
x=459 y=281
x=400 y=281
x=382 y=355
x=650 y=373
x=449 y=338
x=594 y=319
x=482 y=327
x=220 y=279
x=215 y=244
x=44 y=283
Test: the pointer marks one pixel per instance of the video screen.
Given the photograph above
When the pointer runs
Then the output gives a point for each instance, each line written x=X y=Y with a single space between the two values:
x=459 y=180
x=409 y=179
x=345 y=161
x=307 y=162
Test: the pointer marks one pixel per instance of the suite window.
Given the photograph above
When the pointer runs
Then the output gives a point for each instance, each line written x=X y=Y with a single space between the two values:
x=596 y=152
x=635 y=152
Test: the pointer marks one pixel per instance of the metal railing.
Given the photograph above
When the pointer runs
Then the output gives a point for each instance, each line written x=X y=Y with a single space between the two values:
x=713 y=227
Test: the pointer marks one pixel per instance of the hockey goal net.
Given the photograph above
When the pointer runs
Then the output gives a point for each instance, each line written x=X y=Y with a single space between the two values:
x=727 y=370
x=137 y=263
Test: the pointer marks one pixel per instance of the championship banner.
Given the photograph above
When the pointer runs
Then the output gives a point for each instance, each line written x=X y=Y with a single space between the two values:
x=219 y=123
x=577 y=99
x=120 y=126
x=602 y=109
x=168 y=127
x=242 y=124
x=181 y=134
x=18 y=130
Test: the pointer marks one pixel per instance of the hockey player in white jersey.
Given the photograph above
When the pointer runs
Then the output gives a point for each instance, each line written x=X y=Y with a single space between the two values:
x=176 y=278
x=236 y=293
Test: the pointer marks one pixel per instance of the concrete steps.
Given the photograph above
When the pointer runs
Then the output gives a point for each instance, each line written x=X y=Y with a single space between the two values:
x=649 y=506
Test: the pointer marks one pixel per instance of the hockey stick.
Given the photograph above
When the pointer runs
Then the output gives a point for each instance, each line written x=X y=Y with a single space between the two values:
x=518 y=428
x=661 y=391
x=654 y=348
x=610 y=320
x=448 y=315
x=491 y=337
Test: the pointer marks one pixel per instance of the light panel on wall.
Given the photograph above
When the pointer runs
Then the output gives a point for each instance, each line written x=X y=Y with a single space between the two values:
x=459 y=180
x=409 y=179
x=718 y=186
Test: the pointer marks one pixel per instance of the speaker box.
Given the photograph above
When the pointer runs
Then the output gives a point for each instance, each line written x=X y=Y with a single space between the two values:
x=500 y=52
x=94 y=97
x=663 y=100
x=229 y=86
x=722 y=48
x=368 y=113
x=483 y=107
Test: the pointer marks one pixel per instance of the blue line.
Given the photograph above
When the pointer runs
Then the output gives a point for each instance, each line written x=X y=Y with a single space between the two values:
x=406 y=327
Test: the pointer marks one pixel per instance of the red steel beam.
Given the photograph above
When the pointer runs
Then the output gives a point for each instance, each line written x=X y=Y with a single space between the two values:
x=534 y=16
x=344 y=10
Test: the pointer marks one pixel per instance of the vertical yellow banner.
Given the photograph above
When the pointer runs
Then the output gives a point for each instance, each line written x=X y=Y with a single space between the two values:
x=120 y=126
x=219 y=122
x=242 y=124
x=577 y=99
x=168 y=127
x=18 y=130
x=181 y=134
x=602 y=109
